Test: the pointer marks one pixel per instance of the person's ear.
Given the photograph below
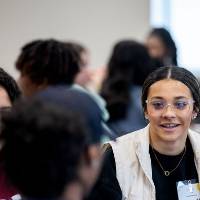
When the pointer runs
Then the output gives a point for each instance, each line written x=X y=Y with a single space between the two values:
x=195 y=112
x=146 y=115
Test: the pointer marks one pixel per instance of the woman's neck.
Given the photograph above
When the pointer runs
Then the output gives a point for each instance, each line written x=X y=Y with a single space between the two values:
x=171 y=148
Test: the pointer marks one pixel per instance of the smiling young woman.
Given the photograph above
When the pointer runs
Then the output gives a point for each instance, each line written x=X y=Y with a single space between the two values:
x=152 y=162
x=170 y=111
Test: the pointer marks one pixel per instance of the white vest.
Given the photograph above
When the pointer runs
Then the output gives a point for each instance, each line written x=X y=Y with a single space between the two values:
x=133 y=163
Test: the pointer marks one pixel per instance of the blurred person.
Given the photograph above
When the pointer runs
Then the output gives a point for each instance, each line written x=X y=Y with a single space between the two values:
x=162 y=47
x=46 y=62
x=52 y=144
x=9 y=92
x=161 y=161
x=128 y=66
x=98 y=77
x=88 y=77
x=84 y=77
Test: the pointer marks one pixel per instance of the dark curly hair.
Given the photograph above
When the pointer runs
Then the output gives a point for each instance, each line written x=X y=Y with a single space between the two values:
x=129 y=65
x=43 y=146
x=10 y=85
x=48 y=60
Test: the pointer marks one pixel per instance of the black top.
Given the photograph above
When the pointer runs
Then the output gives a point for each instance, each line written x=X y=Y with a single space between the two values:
x=166 y=185
x=107 y=186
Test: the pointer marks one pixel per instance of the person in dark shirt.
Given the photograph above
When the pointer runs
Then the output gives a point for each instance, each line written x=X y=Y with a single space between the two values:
x=51 y=144
x=152 y=162
x=9 y=93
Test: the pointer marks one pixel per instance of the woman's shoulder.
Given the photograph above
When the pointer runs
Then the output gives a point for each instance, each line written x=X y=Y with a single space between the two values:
x=138 y=134
x=129 y=142
x=194 y=134
x=194 y=139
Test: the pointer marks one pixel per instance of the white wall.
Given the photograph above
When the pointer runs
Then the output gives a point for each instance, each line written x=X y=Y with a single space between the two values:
x=96 y=23
x=181 y=22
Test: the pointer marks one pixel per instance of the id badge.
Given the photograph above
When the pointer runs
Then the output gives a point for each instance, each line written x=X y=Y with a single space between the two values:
x=188 y=190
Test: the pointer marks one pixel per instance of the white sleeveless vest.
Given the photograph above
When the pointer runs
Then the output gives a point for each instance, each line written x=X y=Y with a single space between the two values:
x=133 y=163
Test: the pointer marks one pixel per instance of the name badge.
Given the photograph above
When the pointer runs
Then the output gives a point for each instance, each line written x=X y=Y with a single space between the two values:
x=188 y=190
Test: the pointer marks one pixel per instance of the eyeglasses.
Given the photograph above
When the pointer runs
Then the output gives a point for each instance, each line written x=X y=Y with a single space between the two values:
x=179 y=105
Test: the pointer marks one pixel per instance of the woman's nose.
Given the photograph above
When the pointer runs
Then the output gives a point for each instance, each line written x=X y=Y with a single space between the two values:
x=169 y=111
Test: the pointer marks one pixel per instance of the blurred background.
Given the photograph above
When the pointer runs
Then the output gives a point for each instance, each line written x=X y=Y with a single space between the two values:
x=98 y=25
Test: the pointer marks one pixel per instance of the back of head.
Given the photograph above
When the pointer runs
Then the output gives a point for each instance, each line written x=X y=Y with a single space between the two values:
x=49 y=138
x=48 y=61
x=168 y=42
x=175 y=73
x=79 y=101
x=10 y=85
x=43 y=147
x=129 y=65
x=129 y=60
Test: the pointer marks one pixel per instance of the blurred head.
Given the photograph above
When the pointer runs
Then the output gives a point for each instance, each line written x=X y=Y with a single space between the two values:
x=46 y=62
x=51 y=144
x=43 y=148
x=72 y=98
x=129 y=60
x=9 y=90
x=170 y=99
x=128 y=65
x=161 y=46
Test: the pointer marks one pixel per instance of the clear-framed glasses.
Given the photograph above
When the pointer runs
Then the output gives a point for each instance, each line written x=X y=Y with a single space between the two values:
x=178 y=105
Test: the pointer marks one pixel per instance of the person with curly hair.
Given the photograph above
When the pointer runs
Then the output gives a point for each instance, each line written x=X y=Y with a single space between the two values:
x=42 y=63
x=52 y=144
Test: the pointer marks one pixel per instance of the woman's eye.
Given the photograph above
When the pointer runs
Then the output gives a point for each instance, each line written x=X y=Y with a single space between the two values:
x=158 y=105
x=180 y=105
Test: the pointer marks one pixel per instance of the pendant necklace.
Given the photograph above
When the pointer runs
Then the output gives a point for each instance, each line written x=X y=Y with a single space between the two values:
x=168 y=172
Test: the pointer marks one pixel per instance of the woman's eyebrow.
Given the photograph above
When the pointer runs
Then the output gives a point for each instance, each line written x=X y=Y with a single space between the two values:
x=181 y=97
x=176 y=98
x=157 y=97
